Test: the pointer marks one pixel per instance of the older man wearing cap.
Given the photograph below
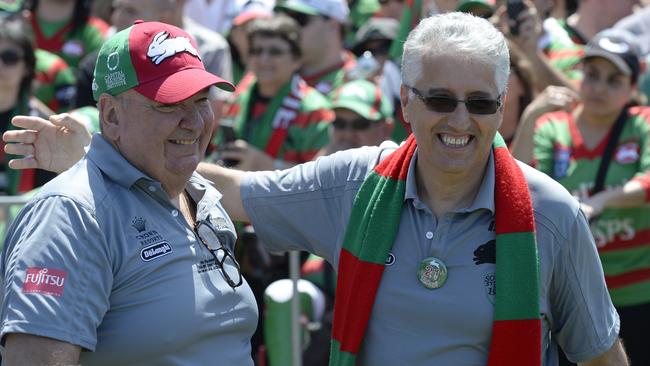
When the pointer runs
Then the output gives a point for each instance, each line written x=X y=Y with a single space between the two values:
x=325 y=61
x=126 y=258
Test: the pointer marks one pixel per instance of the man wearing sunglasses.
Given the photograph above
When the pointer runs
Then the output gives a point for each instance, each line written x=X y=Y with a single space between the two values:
x=127 y=258
x=422 y=236
x=322 y=22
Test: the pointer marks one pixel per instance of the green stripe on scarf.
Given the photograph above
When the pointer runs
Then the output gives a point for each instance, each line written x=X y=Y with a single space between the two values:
x=371 y=232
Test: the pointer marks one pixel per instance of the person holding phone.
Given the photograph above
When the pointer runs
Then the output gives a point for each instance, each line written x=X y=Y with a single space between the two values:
x=278 y=120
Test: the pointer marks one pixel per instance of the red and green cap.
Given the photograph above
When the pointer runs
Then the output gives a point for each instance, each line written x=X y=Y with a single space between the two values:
x=158 y=60
x=364 y=98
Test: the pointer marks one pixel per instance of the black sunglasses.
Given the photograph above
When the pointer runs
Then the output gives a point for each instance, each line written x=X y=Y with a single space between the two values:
x=384 y=2
x=271 y=51
x=10 y=57
x=357 y=124
x=379 y=50
x=224 y=260
x=446 y=104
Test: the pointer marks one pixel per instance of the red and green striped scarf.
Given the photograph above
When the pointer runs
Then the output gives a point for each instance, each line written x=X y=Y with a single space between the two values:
x=371 y=231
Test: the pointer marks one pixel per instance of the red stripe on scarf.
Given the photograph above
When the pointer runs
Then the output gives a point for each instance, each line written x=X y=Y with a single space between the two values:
x=393 y=168
x=518 y=350
x=364 y=278
x=517 y=191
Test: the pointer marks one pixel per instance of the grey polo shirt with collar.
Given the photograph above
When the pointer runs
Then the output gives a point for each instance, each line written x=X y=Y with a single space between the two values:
x=100 y=258
x=307 y=207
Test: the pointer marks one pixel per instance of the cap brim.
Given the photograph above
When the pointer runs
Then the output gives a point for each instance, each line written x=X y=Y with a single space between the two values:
x=466 y=7
x=181 y=85
x=359 y=108
x=617 y=61
x=248 y=16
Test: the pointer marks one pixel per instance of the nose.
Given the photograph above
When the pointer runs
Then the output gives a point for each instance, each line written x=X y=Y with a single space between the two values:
x=459 y=118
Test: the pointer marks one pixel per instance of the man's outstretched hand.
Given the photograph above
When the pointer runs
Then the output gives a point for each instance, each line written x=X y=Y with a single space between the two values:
x=55 y=144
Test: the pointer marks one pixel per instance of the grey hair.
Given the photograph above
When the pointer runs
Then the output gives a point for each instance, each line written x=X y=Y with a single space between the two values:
x=457 y=34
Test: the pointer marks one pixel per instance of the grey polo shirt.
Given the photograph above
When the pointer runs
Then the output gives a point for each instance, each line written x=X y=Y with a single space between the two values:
x=100 y=258
x=307 y=207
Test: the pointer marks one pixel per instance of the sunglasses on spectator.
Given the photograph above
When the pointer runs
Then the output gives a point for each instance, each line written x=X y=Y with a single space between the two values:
x=271 y=51
x=356 y=125
x=10 y=57
x=384 y=2
x=446 y=104
x=301 y=18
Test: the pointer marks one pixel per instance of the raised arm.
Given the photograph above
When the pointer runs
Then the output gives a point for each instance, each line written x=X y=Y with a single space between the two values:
x=228 y=182
x=27 y=349
x=55 y=144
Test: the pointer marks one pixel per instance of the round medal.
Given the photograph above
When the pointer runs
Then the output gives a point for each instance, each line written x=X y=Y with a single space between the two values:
x=432 y=273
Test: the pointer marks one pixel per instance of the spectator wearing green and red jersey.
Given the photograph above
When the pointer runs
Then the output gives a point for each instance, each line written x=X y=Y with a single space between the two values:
x=66 y=28
x=278 y=119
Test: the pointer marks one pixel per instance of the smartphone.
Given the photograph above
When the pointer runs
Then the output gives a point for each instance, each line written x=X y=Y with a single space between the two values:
x=514 y=8
x=227 y=135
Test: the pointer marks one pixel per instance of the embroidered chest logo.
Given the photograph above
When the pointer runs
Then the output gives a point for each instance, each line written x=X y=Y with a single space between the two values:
x=153 y=244
x=561 y=160
x=155 y=251
x=486 y=253
x=163 y=47
x=46 y=281
x=627 y=153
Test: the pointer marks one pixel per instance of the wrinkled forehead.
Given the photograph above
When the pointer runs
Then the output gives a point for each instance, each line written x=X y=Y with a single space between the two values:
x=459 y=73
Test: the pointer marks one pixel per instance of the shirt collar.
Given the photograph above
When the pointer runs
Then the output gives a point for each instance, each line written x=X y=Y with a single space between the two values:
x=484 y=199
x=120 y=170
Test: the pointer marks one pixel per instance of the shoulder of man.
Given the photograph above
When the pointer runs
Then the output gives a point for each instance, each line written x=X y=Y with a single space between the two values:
x=552 y=203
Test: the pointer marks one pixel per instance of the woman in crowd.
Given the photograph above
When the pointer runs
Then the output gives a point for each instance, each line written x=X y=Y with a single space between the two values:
x=600 y=151
x=278 y=120
x=66 y=28
x=17 y=69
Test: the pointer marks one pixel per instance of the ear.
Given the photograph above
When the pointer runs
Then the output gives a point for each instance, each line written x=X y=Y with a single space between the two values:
x=108 y=116
x=404 y=101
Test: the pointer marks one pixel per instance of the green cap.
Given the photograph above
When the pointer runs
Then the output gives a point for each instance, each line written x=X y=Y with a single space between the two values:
x=364 y=98
x=466 y=5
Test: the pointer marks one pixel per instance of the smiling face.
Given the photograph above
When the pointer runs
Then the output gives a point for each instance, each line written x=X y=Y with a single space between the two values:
x=271 y=60
x=457 y=142
x=165 y=141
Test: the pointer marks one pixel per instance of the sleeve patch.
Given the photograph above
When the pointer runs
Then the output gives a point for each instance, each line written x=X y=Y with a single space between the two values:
x=47 y=281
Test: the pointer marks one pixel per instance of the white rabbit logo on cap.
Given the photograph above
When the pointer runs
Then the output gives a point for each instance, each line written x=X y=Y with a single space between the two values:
x=162 y=47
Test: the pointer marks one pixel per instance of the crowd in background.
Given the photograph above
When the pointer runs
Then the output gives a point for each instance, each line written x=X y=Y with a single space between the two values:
x=317 y=76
